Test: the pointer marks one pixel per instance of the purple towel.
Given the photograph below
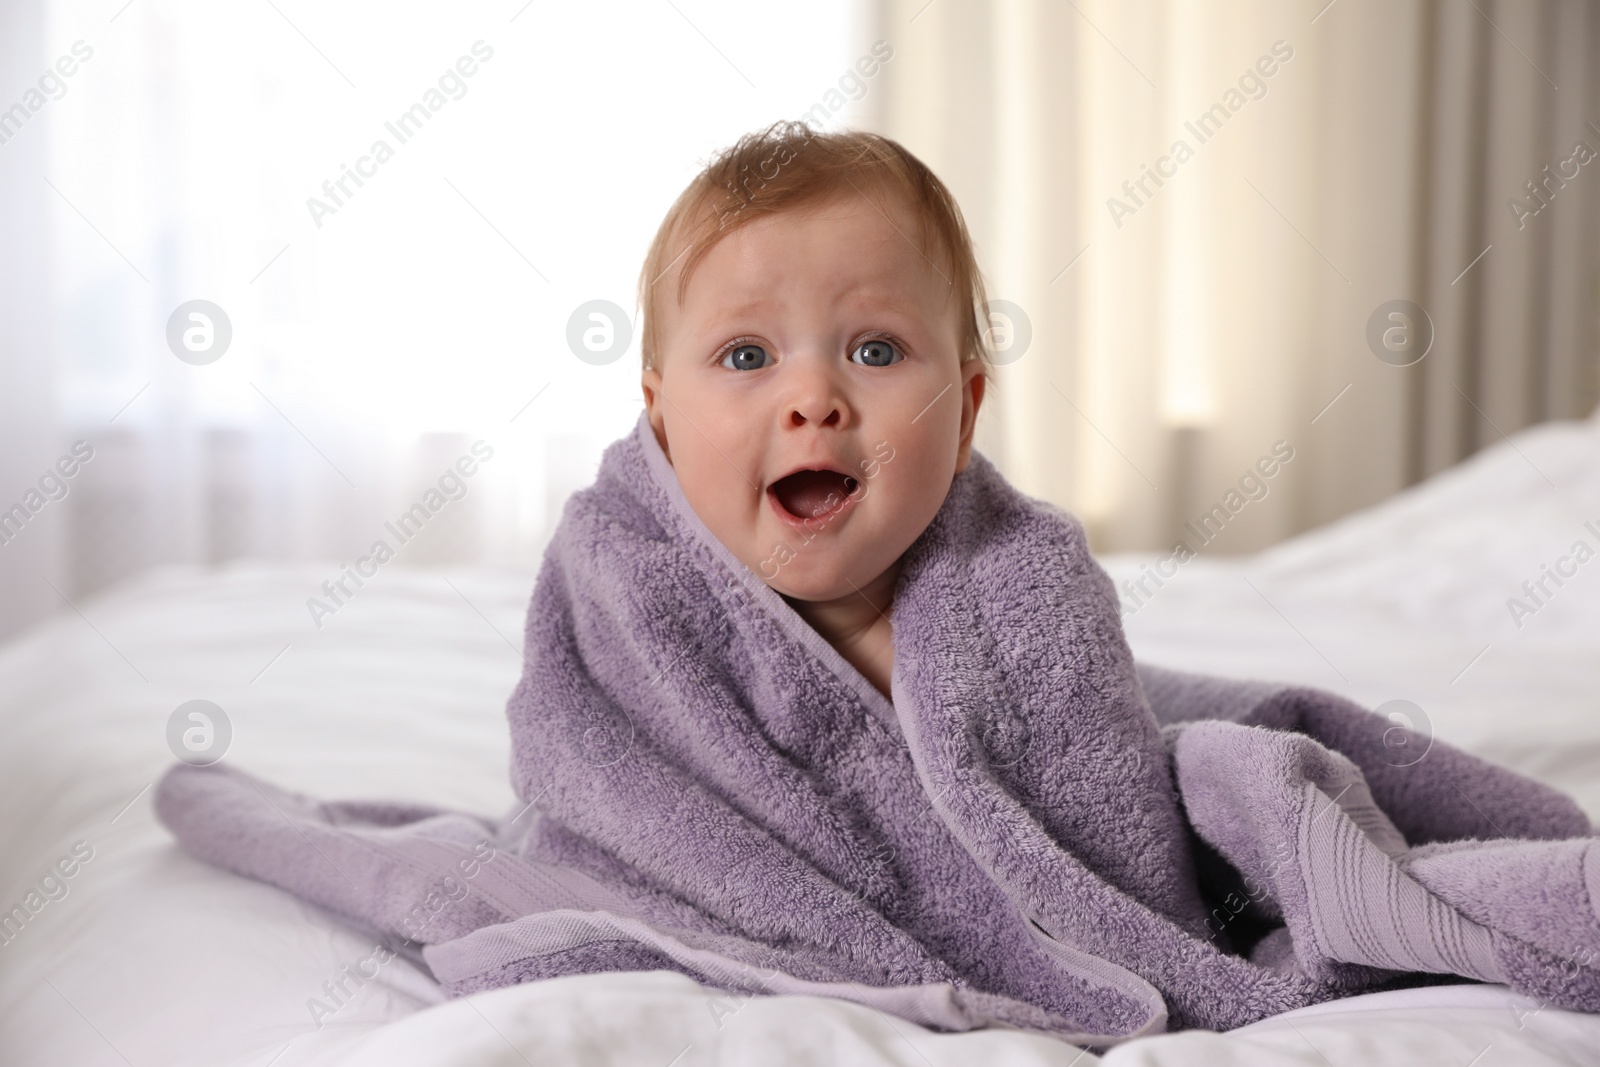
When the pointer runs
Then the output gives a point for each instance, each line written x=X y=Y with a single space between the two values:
x=1033 y=834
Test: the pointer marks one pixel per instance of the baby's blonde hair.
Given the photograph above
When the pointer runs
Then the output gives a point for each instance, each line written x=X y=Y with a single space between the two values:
x=788 y=166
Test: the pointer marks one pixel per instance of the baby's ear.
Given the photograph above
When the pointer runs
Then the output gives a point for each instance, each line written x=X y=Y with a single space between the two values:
x=973 y=382
x=650 y=384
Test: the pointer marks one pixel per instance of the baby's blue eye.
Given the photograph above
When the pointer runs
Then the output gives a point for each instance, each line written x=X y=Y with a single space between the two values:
x=875 y=353
x=746 y=357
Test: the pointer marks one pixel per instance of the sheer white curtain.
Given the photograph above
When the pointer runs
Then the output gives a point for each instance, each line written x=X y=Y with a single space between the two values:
x=398 y=208
x=1193 y=306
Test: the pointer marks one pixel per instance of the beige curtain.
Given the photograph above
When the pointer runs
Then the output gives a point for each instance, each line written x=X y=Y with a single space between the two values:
x=1201 y=210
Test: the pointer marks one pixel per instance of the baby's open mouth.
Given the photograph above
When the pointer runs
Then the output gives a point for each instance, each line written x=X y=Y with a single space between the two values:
x=813 y=494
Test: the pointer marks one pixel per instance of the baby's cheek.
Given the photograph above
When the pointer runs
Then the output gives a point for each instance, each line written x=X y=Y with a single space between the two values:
x=894 y=503
x=918 y=478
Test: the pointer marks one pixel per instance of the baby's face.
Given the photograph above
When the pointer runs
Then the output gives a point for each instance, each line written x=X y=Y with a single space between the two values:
x=810 y=395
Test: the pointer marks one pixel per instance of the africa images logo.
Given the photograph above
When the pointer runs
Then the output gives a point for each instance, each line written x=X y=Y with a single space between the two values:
x=404 y=127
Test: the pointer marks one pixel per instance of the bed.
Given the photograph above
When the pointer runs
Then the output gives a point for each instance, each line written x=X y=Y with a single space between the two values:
x=145 y=956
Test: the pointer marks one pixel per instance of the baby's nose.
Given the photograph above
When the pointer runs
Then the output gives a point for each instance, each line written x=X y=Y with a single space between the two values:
x=816 y=396
x=819 y=412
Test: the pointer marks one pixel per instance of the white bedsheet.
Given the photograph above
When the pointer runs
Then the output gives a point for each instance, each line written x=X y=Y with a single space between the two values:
x=154 y=958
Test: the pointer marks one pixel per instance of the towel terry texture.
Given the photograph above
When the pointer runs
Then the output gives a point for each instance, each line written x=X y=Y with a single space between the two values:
x=1033 y=834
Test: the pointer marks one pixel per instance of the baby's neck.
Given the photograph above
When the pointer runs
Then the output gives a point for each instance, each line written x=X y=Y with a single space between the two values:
x=857 y=625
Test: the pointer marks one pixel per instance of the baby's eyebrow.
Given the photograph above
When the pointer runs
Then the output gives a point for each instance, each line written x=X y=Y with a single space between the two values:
x=858 y=300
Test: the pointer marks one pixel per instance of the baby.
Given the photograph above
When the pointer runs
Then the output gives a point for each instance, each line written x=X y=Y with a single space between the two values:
x=813 y=366
x=1012 y=843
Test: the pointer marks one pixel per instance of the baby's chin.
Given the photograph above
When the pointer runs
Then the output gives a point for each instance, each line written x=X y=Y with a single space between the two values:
x=821 y=580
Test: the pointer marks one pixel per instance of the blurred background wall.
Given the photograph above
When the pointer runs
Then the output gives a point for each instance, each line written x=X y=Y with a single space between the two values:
x=387 y=308
x=1170 y=314
x=1201 y=206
